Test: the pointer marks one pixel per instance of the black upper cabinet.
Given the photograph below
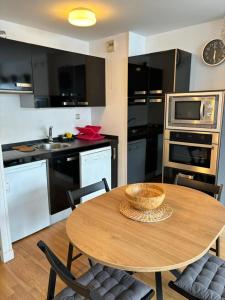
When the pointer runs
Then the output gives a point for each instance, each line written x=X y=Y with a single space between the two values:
x=59 y=77
x=63 y=78
x=175 y=67
x=159 y=72
x=183 y=71
x=138 y=72
x=56 y=78
x=15 y=66
x=95 y=81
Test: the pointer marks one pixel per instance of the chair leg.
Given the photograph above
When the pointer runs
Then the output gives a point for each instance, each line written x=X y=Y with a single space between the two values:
x=51 y=285
x=90 y=262
x=70 y=256
x=218 y=247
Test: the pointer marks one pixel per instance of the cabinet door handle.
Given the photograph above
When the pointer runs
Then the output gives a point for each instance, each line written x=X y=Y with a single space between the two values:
x=155 y=100
x=114 y=153
x=71 y=158
x=82 y=103
x=67 y=103
x=139 y=100
x=140 y=92
x=23 y=84
x=155 y=91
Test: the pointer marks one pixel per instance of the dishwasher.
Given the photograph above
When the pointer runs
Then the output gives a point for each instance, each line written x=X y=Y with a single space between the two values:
x=27 y=197
x=95 y=165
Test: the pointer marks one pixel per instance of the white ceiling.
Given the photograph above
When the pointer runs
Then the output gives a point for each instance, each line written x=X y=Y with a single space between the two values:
x=145 y=17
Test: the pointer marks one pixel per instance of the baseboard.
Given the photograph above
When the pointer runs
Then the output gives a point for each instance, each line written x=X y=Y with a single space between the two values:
x=7 y=255
x=60 y=216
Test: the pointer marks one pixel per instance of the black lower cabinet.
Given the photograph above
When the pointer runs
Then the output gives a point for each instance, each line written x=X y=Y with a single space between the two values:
x=169 y=175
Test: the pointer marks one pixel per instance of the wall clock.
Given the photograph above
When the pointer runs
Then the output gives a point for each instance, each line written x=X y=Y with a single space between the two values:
x=214 y=52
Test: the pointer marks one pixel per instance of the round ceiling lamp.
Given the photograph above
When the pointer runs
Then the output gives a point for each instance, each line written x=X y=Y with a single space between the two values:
x=82 y=17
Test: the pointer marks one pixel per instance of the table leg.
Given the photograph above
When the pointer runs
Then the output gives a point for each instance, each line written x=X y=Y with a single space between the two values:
x=158 y=281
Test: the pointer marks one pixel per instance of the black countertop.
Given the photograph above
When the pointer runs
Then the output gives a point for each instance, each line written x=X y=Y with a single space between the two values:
x=18 y=157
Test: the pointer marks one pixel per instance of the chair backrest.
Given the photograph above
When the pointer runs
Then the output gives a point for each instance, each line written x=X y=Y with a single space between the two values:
x=59 y=269
x=74 y=196
x=208 y=188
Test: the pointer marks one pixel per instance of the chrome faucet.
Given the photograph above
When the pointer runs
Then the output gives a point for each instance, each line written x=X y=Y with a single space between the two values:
x=50 y=138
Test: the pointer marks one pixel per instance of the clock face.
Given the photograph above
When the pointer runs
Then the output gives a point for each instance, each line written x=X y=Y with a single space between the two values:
x=214 y=52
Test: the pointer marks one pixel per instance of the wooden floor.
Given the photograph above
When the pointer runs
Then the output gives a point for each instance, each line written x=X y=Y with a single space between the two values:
x=26 y=277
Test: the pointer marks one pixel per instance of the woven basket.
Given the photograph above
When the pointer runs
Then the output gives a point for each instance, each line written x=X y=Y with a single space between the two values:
x=145 y=196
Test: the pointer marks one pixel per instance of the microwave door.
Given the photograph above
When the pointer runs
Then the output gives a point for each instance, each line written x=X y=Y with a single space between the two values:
x=187 y=111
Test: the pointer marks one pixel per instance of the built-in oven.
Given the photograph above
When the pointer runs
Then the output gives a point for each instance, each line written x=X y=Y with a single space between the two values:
x=194 y=111
x=191 y=151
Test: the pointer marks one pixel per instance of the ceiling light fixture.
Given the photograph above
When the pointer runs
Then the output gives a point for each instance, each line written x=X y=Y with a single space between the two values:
x=82 y=17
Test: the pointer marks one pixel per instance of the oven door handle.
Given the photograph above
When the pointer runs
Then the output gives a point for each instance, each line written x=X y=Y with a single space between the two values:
x=192 y=144
x=202 y=110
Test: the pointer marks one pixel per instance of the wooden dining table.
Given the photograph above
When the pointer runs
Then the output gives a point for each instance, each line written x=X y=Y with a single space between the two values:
x=98 y=229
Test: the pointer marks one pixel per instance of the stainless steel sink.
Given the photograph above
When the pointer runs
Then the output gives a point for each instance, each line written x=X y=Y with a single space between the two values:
x=52 y=146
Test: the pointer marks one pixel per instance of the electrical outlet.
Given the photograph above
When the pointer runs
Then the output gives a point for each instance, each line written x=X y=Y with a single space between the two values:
x=77 y=116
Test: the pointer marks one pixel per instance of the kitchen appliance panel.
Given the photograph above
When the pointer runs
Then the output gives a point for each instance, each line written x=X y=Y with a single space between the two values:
x=63 y=176
x=181 y=152
x=95 y=165
x=200 y=111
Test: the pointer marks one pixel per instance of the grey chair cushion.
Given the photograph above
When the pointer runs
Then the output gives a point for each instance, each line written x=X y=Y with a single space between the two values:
x=107 y=284
x=204 y=279
x=68 y=294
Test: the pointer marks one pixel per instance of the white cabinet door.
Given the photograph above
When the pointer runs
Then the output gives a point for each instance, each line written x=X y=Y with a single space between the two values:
x=27 y=196
x=95 y=165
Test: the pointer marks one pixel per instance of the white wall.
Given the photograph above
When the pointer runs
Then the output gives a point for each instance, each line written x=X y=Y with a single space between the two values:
x=20 y=124
x=193 y=39
x=137 y=44
x=33 y=35
x=113 y=117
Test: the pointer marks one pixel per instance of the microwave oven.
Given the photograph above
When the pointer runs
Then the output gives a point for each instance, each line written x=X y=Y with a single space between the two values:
x=195 y=110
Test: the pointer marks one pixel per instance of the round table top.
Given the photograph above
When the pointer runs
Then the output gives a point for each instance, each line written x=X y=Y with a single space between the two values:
x=98 y=229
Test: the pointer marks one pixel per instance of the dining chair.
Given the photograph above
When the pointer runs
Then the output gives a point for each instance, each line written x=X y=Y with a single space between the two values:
x=202 y=280
x=98 y=283
x=208 y=188
x=74 y=199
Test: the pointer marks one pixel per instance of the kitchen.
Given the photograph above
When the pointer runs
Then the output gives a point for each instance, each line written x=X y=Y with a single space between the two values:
x=191 y=39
